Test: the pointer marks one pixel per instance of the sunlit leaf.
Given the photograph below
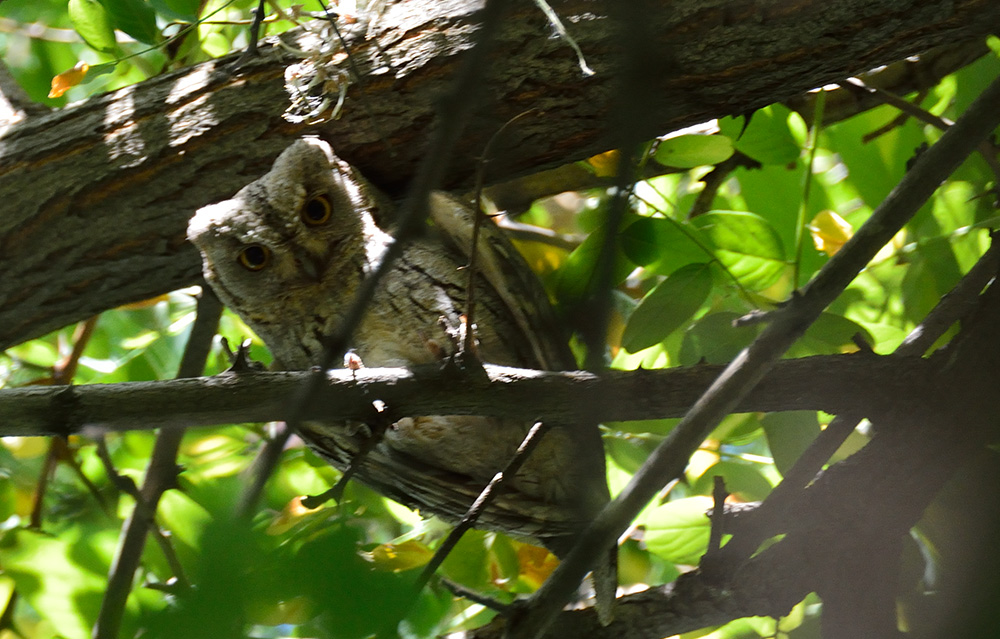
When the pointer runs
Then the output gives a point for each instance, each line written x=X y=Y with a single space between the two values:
x=767 y=139
x=743 y=480
x=536 y=564
x=829 y=231
x=747 y=245
x=467 y=563
x=604 y=164
x=134 y=17
x=661 y=245
x=293 y=512
x=94 y=24
x=63 y=578
x=667 y=307
x=398 y=557
x=678 y=530
x=689 y=151
x=68 y=79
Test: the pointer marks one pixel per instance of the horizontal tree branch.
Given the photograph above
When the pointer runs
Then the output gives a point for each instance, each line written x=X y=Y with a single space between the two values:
x=833 y=383
x=114 y=179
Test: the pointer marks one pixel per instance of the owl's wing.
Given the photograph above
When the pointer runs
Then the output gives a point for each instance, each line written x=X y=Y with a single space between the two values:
x=507 y=272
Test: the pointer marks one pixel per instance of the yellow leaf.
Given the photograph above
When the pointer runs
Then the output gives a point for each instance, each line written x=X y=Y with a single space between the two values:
x=296 y=610
x=26 y=447
x=829 y=232
x=290 y=515
x=147 y=303
x=399 y=557
x=536 y=564
x=68 y=79
x=605 y=164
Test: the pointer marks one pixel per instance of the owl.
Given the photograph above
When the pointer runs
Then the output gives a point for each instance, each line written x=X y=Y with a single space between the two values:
x=288 y=253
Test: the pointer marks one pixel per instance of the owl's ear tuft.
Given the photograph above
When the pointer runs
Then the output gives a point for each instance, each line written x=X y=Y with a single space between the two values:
x=209 y=219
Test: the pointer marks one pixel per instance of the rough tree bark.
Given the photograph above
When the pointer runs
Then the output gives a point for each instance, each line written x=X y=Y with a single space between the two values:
x=95 y=197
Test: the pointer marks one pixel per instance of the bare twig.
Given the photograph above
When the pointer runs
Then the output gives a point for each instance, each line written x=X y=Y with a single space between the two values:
x=987 y=150
x=378 y=424
x=467 y=593
x=261 y=469
x=125 y=484
x=469 y=339
x=160 y=476
x=485 y=498
x=63 y=373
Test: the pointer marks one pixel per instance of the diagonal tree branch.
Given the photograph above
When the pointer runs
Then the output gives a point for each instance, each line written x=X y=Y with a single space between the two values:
x=161 y=475
x=750 y=366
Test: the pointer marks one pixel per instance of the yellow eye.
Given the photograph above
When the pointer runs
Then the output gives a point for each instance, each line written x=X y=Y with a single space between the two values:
x=317 y=211
x=255 y=257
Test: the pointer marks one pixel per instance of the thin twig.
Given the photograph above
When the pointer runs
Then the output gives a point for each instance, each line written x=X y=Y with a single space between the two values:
x=378 y=425
x=125 y=484
x=485 y=498
x=986 y=149
x=467 y=593
x=261 y=470
x=62 y=373
x=161 y=475
x=468 y=347
x=251 y=50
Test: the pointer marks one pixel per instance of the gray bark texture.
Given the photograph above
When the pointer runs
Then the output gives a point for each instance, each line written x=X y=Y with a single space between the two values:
x=834 y=383
x=95 y=198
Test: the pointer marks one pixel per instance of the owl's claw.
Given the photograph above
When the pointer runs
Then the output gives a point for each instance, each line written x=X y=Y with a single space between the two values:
x=240 y=361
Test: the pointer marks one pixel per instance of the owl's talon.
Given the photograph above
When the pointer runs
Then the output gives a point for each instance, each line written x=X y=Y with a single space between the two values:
x=240 y=361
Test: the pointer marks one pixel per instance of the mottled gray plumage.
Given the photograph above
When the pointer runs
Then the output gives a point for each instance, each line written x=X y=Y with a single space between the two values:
x=288 y=253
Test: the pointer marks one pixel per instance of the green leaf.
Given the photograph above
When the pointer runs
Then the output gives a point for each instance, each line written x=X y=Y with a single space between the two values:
x=714 y=340
x=689 y=151
x=678 y=531
x=742 y=479
x=667 y=307
x=467 y=563
x=661 y=245
x=789 y=434
x=577 y=277
x=134 y=17
x=92 y=21
x=747 y=245
x=767 y=139
x=182 y=10
x=64 y=577
x=830 y=334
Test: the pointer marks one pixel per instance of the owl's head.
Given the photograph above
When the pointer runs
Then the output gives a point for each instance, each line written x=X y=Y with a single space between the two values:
x=299 y=230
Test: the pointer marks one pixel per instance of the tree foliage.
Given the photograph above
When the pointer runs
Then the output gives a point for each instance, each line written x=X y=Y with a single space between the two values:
x=728 y=220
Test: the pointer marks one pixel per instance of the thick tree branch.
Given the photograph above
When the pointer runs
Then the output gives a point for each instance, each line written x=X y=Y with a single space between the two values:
x=833 y=383
x=115 y=178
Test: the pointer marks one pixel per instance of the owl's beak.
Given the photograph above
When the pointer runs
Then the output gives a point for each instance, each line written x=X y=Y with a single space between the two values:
x=312 y=268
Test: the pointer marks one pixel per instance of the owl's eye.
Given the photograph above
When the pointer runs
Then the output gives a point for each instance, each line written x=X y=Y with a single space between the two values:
x=255 y=257
x=317 y=211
